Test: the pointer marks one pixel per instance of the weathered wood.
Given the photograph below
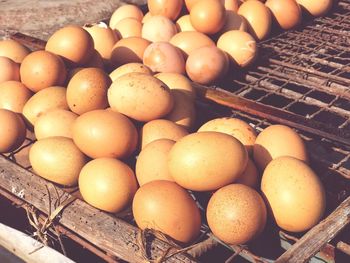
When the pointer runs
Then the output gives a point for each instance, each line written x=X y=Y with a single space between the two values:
x=318 y=236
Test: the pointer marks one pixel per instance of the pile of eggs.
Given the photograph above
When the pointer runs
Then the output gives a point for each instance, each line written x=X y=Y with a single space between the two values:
x=98 y=97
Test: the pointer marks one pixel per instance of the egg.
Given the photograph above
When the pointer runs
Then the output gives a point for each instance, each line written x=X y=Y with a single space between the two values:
x=146 y=17
x=128 y=27
x=129 y=68
x=240 y=47
x=316 y=7
x=258 y=17
x=190 y=40
x=206 y=65
x=9 y=70
x=231 y=5
x=140 y=96
x=250 y=177
x=237 y=128
x=87 y=90
x=57 y=159
x=208 y=16
x=287 y=13
x=12 y=131
x=170 y=9
x=152 y=162
x=275 y=141
x=164 y=57
x=234 y=21
x=105 y=133
x=166 y=207
x=129 y=50
x=184 y=24
x=206 y=161
x=44 y=100
x=107 y=184
x=13 y=50
x=294 y=193
x=14 y=95
x=125 y=11
x=95 y=61
x=161 y=129
x=236 y=214
x=158 y=28
x=53 y=123
x=190 y=3
x=42 y=69
x=176 y=81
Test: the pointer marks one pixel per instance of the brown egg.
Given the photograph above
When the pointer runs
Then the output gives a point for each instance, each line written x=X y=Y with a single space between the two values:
x=42 y=69
x=152 y=162
x=53 y=123
x=190 y=40
x=250 y=177
x=140 y=96
x=12 y=131
x=129 y=68
x=87 y=90
x=164 y=57
x=287 y=13
x=177 y=81
x=105 y=133
x=45 y=100
x=9 y=70
x=231 y=5
x=14 y=95
x=125 y=11
x=169 y=9
x=258 y=17
x=234 y=21
x=208 y=16
x=147 y=16
x=316 y=7
x=57 y=159
x=206 y=161
x=184 y=24
x=206 y=64
x=128 y=27
x=95 y=61
x=190 y=3
x=294 y=194
x=72 y=43
x=158 y=28
x=276 y=141
x=167 y=207
x=14 y=50
x=129 y=50
x=236 y=214
x=240 y=47
x=237 y=128
x=161 y=129
x=107 y=184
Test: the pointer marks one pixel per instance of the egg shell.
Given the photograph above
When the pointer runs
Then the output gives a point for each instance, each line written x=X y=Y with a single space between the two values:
x=250 y=177
x=190 y=3
x=294 y=194
x=236 y=214
x=234 y=21
x=168 y=8
x=167 y=207
x=316 y=7
x=176 y=81
x=146 y=17
x=140 y=96
x=158 y=28
x=184 y=24
x=14 y=50
x=12 y=131
x=287 y=13
x=9 y=70
x=206 y=161
x=14 y=95
x=161 y=129
x=87 y=90
x=129 y=68
x=275 y=141
x=231 y=5
x=128 y=27
x=107 y=184
x=125 y=11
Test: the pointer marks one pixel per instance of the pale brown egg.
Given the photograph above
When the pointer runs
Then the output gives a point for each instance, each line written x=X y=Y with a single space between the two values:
x=129 y=68
x=87 y=90
x=184 y=24
x=316 y=7
x=206 y=161
x=146 y=17
x=258 y=17
x=231 y=5
x=236 y=214
x=12 y=131
x=128 y=27
x=190 y=3
x=73 y=43
x=14 y=95
x=170 y=9
x=240 y=47
x=57 y=159
x=161 y=129
x=179 y=82
x=164 y=57
x=234 y=21
x=140 y=96
x=125 y=11
x=53 y=123
x=158 y=28
x=167 y=207
x=276 y=141
x=287 y=13
x=294 y=193
x=9 y=70
x=105 y=133
x=107 y=184
x=95 y=61
x=129 y=50
x=152 y=162
x=250 y=177
x=42 y=69
x=14 y=50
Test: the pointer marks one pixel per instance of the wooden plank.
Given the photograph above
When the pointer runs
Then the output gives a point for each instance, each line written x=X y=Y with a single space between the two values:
x=105 y=231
